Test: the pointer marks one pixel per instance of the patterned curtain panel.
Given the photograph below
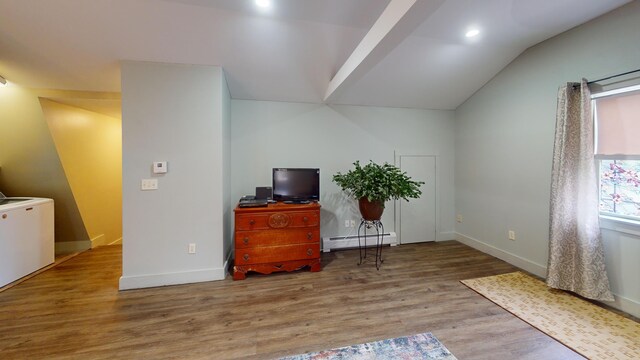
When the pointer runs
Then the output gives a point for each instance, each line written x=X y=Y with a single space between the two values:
x=576 y=255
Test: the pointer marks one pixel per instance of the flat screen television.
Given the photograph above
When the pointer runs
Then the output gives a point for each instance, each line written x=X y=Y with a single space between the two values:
x=296 y=184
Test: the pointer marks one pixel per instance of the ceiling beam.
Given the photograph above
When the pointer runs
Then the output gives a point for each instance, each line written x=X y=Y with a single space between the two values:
x=398 y=20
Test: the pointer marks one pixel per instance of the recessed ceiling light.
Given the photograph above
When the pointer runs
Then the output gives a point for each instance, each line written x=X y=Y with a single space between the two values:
x=472 y=33
x=263 y=3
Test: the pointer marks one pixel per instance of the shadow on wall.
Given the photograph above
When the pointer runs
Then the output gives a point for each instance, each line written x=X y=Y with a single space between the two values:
x=31 y=166
x=30 y=163
x=330 y=222
x=89 y=146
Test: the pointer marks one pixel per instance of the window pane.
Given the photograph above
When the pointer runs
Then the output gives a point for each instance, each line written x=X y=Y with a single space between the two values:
x=620 y=187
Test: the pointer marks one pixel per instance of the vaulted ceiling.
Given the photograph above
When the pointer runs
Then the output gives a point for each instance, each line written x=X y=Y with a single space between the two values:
x=408 y=53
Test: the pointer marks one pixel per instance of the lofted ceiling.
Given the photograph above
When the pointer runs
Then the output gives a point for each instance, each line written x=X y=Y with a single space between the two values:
x=289 y=52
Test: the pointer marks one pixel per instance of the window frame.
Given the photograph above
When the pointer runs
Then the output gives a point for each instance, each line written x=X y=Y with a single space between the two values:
x=612 y=221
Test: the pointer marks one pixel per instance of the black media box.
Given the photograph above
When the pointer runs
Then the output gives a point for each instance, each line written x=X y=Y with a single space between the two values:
x=264 y=192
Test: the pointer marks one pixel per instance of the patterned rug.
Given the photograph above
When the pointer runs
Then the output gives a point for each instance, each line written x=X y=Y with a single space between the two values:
x=591 y=331
x=420 y=346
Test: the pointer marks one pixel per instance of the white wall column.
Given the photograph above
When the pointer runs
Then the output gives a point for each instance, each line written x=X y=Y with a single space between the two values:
x=178 y=114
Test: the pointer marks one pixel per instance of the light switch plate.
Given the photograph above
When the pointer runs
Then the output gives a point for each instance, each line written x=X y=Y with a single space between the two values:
x=149 y=184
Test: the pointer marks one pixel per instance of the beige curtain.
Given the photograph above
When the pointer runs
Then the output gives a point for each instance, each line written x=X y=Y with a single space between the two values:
x=576 y=255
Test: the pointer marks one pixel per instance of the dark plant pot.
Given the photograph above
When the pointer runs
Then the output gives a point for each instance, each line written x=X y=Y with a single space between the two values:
x=371 y=210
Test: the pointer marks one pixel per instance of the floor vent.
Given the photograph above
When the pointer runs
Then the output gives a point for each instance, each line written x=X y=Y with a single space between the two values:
x=351 y=241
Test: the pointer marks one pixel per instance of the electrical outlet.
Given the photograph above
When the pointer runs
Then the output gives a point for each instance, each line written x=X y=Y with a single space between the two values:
x=353 y=223
x=149 y=184
x=192 y=248
x=347 y=223
x=512 y=235
x=459 y=218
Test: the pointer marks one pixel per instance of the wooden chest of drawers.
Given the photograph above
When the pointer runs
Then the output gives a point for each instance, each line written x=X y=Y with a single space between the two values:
x=280 y=237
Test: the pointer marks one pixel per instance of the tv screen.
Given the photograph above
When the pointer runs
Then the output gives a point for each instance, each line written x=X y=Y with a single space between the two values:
x=295 y=184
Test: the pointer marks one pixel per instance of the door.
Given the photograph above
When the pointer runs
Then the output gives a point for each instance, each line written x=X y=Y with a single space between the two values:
x=417 y=218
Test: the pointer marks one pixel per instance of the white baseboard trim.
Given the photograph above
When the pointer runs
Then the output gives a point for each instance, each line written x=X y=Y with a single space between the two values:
x=446 y=235
x=184 y=277
x=68 y=247
x=117 y=241
x=625 y=304
x=98 y=241
x=512 y=259
x=622 y=303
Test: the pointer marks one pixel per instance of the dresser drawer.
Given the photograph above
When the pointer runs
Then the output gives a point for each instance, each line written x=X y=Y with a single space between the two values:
x=247 y=239
x=277 y=220
x=270 y=254
x=304 y=219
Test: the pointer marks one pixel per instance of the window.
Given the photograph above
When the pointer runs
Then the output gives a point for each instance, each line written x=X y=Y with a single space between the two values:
x=617 y=119
x=620 y=188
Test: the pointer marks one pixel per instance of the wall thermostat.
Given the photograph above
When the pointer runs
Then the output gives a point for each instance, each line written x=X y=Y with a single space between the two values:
x=159 y=167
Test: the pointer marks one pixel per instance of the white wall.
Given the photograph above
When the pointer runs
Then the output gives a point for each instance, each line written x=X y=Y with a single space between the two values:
x=228 y=203
x=173 y=113
x=504 y=144
x=276 y=134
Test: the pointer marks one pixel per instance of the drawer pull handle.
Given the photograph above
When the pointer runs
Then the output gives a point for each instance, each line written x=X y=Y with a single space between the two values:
x=305 y=219
x=279 y=266
x=251 y=222
x=309 y=252
x=245 y=241
x=246 y=257
x=29 y=209
x=309 y=236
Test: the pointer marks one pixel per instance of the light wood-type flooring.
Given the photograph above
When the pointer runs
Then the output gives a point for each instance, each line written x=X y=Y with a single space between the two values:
x=75 y=310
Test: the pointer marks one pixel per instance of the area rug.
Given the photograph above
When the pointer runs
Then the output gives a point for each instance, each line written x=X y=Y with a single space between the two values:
x=420 y=346
x=591 y=331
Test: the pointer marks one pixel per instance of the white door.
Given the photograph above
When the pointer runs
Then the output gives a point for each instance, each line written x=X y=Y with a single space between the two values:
x=417 y=218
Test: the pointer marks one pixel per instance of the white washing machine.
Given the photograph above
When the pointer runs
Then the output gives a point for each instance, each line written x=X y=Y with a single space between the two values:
x=26 y=236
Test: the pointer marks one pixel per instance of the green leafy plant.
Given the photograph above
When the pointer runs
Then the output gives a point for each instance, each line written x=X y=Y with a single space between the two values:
x=378 y=182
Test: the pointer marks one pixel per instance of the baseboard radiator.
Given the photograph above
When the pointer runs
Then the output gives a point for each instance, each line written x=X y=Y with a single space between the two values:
x=351 y=241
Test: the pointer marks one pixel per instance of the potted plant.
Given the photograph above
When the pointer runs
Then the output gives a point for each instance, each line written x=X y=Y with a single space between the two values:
x=373 y=185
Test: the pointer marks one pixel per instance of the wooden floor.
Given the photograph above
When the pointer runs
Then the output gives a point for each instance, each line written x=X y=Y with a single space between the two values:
x=76 y=311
